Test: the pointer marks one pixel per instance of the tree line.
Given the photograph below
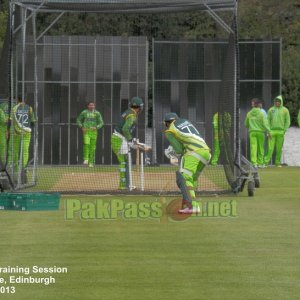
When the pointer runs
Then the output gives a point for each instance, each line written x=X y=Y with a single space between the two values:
x=258 y=19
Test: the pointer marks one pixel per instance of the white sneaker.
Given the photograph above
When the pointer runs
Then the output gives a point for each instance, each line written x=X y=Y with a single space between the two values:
x=132 y=188
x=188 y=210
x=85 y=162
x=91 y=165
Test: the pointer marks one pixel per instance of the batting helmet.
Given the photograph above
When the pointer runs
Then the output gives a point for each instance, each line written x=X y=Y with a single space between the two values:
x=170 y=117
x=136 y=102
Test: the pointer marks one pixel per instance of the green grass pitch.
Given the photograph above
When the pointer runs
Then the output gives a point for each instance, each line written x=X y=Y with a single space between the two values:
x=253 y=256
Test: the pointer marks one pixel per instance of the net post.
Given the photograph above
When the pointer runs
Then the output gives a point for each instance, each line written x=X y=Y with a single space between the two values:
x=154 y=150
x=11 y=87
x=35 y=133
x=237 y=154
x=137 y=160
x=142 y=172
x=129 y=170
x=20 y=161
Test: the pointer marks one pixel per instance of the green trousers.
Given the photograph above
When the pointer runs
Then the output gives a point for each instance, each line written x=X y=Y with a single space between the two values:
x=20 y=140
x=257 y=147
x=89 y=145
x=3 y=145
x=216 y=154
x=191 y=168
x=275 y=142
x=116 y=144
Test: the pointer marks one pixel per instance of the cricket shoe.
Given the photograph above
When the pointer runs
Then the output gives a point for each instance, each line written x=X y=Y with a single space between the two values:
x=131 y=188
x=194 y=209
x=124 y=188
x=190 y=210
x=91 y=165
x=85 y=162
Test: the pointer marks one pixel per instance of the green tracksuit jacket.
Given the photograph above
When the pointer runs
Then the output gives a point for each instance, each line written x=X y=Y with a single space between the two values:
x=127 y=126
x=256 y=121
x=257 y=125
x=279 y=120
x=279 y=117
x=89 y=120
x=186 y=140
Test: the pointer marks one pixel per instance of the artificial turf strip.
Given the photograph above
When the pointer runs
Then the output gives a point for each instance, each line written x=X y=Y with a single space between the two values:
x=253 y=256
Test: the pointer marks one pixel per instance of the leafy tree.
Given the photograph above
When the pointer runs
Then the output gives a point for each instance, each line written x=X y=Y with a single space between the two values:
x=277 y=19
x=3 y=22
x=258 y=19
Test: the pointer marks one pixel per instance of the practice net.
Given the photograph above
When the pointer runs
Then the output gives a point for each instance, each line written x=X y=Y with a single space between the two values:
x=54 y=70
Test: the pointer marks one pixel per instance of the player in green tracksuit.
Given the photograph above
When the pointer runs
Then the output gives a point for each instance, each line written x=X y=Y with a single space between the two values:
x=90 y=121
x=23 y=119
x=195 y=155
x=279 y=120
x=4 y=116
x=123 y=134
x=216 y=154
x=257 y=124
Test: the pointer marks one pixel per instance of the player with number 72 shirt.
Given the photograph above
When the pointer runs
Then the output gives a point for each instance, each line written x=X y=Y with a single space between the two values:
x=23 y=119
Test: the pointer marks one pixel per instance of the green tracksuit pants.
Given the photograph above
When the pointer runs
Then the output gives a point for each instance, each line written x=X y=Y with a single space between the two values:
x=89 y=145
x=116 y=143
x=191 y=168
x=216 y=154
x=275 y=142
x=257 y=147
x=3 y=142
x=20 y=140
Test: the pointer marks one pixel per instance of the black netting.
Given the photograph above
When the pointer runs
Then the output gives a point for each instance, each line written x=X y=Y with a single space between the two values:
x=128 y=6
x=228 y=110
x=57 y=75
x=187 y=80
x=5 y=65
x=259 y=78
x=5 y=105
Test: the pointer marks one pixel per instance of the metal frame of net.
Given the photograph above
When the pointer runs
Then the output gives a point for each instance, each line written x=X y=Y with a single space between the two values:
x=29 y=78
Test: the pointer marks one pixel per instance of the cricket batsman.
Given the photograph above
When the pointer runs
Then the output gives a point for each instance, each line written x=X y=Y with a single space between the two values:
x=23 y=120
x=186 y=143
x=90 y=121
x=4 y=117
x=257 y=124
x=123 y=135
x=216 y=154
x=279 y=120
